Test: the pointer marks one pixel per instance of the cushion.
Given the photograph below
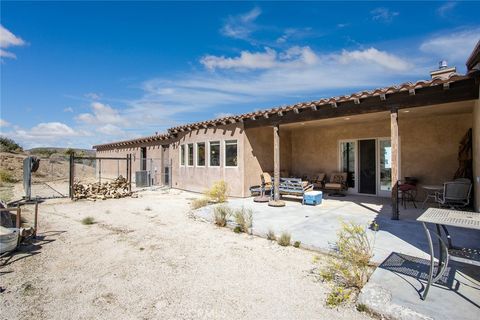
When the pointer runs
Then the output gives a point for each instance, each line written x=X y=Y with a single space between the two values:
x=337 y=178
x=332 y=185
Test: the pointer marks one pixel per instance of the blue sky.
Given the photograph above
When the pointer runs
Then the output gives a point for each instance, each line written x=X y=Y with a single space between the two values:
x=79 y=74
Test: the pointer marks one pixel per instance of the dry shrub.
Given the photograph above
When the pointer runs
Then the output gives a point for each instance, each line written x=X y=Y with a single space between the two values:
x=221 y=215
x=271 y=235
x=296 y=244
x=7 y=176
x=244 y=219
x=88 y=220
x=199 y=203
x=218 y=193
x=284 y=239
x=349 y=268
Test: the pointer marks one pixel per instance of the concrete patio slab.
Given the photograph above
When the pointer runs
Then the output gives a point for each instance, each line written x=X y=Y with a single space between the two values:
x=401 y=251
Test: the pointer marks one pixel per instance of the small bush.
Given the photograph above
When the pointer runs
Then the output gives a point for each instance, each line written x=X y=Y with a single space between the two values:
x=8 y=145
x=237 y=229
x=7 y=176
x=271 y=235
x=338 y=296
x=88 y=220
x=244 y=219
x=362 y=308
x=148 y=209
x=221 y=215
x=296 y=244
x=199 y=203
x=218 y=193
x=284 y=239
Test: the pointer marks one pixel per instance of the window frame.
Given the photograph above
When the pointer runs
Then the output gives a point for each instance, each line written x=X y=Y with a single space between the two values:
x=182 y=155
x=204 y=154
x=188 y=155
x=219 y=153
x=225 y=153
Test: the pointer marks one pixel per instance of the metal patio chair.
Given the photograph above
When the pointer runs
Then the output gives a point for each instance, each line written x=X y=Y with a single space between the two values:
x=456 y=194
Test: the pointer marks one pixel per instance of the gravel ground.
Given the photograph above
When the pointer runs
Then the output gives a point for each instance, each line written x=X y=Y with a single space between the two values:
x=146 y=258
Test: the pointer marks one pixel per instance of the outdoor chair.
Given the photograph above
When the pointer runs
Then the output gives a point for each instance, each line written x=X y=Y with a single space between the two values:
x=294 y=187
x=319 y=181
x=408 y=189
x=337 y=183
x=456 y=194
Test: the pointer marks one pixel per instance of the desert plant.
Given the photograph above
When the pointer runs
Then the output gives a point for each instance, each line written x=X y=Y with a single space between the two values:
x=284 y=239
x=199 y=203
x=8 y=145
x=339 y=295
x=296 y=244
x=221 y=215
x=362 y=308
x=7 y=176
x=88 y=220
x=271 y=235
x=237 y=229
x=349 y=267
x=148 y=209
x=244 y=219
x=218 y=192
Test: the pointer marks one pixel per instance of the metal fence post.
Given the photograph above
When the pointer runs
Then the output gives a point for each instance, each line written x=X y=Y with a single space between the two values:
x=100 y=170
x=71 y=175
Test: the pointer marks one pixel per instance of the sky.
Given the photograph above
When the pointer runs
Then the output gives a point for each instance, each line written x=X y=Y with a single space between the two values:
x=76 y=74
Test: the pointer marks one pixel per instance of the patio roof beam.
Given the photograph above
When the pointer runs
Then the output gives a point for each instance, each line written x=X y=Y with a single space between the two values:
x=276 y=202
x=463 y=90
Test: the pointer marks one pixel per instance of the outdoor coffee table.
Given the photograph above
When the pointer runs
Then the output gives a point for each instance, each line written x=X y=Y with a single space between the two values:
x=430 y=192
x=442 y=218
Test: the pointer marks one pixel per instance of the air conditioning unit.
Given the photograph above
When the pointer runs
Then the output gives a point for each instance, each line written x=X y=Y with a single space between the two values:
x=142 y=179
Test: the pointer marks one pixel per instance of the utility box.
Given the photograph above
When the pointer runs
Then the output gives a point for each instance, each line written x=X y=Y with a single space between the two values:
x=313 y=197
x=142 y=179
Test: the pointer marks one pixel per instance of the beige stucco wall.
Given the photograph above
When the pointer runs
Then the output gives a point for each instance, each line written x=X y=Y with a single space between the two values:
x=428 y=146
x=476 y=154
x=198 y=179
x=111 y=168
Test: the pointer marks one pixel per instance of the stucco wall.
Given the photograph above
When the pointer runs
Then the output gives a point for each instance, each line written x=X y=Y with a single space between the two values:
x=111 y=168
x=476 y=154
x=428 y=146
x=198 y=179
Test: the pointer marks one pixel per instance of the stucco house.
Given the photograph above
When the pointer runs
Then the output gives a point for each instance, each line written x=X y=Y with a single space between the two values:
x=377 y=136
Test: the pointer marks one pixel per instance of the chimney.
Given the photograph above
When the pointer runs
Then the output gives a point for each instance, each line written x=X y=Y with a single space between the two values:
x=443 y=72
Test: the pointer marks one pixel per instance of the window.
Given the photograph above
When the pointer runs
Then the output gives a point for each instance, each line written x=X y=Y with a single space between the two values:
x=190 y=154
x=231 y=153
x=347 y=157
x=182 y=155
x=201 y=154
x=215 y=153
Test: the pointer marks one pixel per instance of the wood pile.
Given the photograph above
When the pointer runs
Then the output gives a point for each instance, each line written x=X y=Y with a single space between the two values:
x=115 y=189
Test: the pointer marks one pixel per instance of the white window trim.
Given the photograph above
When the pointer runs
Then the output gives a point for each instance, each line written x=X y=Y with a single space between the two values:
x=187 y=158
x=180 y=158
x=225 y=153
x=196 y=154
x=209 y=148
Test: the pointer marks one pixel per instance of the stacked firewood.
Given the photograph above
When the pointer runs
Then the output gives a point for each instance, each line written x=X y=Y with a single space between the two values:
x=115 y=189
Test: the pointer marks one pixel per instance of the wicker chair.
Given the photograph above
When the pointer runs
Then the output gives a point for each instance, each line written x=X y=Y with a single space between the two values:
x=337 y=183
x=319 y=181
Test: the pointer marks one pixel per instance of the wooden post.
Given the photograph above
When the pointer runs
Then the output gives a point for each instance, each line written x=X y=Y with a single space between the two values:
x=276 y=202
x=395 y=164
x=18 y=219
x=35 y=219
x=71 y=175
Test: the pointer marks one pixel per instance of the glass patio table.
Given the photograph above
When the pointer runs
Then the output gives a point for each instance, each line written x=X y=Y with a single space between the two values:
x=430 y=192
x=442 y=218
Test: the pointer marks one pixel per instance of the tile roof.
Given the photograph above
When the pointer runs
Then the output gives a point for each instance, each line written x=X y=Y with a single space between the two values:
x=333 y=101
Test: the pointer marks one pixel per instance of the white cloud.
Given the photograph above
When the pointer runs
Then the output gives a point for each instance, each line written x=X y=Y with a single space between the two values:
x=93 y=95
x=246 y=60
x=4 y=123
x=372 y=55
x=111 y=130
x=7 y=40
x=101 y=114
x=241 y=26
x=222 y=115
x=455 y=47
x=383 y=15
x=446 y=8
x=261 y=60
x=68 y=109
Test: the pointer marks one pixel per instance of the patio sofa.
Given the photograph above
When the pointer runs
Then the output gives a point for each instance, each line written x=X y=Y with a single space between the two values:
x=294 y=187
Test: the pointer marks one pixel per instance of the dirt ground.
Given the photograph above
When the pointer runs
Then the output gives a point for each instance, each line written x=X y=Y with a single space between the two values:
x=146 y=258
